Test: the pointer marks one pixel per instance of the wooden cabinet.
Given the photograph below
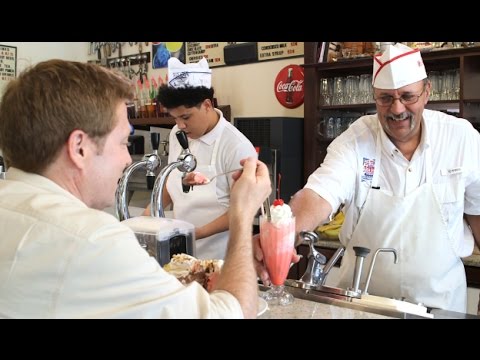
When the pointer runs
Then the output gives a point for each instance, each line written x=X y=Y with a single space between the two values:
x=465 y=60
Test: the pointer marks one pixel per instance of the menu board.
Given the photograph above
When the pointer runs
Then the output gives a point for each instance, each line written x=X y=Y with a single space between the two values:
x=8 y=65
x=279 y=50
x=213 y=51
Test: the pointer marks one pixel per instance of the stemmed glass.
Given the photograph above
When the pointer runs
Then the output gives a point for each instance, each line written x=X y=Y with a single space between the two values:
x=277 y=242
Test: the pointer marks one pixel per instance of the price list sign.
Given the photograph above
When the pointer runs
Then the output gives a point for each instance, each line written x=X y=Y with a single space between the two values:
x=279 y=50
x=212 y=51
x=8 y=65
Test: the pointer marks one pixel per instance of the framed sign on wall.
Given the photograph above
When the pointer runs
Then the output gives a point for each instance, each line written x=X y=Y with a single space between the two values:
x=242 y=54
x=8 y=65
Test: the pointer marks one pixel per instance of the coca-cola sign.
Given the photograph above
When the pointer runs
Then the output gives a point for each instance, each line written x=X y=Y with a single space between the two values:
x=289 y=86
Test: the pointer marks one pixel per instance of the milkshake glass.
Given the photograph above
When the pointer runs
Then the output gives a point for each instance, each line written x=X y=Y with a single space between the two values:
x=277 y=240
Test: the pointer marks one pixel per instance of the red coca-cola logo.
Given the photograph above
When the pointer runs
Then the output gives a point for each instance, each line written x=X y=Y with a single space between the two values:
x=289 y=86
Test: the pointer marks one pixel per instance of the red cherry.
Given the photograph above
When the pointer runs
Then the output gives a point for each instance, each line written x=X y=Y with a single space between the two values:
x=278 y=202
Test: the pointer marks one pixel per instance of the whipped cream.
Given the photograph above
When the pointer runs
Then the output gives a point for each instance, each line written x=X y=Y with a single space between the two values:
x=280 y=213
x=180 y=265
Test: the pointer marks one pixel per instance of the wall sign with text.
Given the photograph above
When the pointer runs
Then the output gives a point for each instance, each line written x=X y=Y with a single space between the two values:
x=289 y=86
x=213 y=51
x=279 y=50
x=8 y=65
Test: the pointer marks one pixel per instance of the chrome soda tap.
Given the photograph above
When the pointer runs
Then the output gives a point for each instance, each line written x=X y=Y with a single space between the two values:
x=315 y=275
x=329 y=265
x=395 y=260
x=315 y=259
x=2 y=168
x=165 y=145
x=186 y=162
x=155 y=138
x=360 y=253
x=151 y=162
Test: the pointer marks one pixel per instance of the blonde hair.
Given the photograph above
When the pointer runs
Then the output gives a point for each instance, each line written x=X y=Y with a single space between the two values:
x=41 y=108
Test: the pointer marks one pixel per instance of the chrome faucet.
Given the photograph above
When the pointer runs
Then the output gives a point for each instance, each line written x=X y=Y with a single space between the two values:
x=186 y=162
x=315 y=275
x=2 y=168
x=360 y=253
x=373 y=263
x=149 y=161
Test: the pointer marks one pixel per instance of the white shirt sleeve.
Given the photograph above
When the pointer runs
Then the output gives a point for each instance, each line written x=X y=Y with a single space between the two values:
x=129 y=283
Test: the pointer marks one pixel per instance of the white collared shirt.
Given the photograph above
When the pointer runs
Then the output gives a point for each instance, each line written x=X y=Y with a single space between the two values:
x=344 y=176
x=233 y=146
x=61 y=259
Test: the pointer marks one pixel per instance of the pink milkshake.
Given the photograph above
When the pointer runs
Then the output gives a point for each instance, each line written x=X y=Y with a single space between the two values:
x=277 y=239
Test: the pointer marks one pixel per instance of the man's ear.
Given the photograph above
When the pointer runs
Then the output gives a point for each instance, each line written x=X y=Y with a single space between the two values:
x=428 y=90
x=77 y=144
x=208 y=104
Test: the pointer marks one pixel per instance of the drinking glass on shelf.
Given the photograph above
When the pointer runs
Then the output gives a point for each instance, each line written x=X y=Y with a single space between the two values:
x=277 y=241
x=326 y=91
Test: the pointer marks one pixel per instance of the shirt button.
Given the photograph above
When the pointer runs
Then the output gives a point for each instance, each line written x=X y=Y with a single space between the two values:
x=409 y=169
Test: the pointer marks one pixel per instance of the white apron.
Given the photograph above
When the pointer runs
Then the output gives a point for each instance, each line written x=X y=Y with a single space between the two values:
x=428 y=270
x=200 y=206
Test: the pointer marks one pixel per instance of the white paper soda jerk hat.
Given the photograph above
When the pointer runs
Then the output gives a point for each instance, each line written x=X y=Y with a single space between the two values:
x=181 y=75
x=398 y=66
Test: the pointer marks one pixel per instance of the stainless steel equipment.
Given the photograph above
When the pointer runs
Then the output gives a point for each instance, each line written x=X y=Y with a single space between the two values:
x=186 y=162
x=162 y=238
x=360 y=253
x=2 y=168
x=373 y=263
x=313 y=280
x=150 y=162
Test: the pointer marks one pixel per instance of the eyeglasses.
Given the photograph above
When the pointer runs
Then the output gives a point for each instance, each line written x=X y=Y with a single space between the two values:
x=405 y=99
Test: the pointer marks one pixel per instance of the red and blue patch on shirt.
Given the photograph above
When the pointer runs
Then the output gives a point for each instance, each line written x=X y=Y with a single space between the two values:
x=368 y=169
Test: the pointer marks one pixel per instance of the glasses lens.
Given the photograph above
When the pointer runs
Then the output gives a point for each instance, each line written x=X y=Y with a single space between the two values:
x=409 y=99
x=384 y=100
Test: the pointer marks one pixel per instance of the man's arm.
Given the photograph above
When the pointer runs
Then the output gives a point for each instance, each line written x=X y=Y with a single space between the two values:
x=474 y=222
x=213 y=227
x=309 y=209
x=238 y=277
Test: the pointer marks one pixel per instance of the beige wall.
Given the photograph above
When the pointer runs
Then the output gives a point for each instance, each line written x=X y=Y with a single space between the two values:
x=249 y=88
x=29 y=53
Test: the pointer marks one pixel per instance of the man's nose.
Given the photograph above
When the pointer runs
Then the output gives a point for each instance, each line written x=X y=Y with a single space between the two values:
x=129 y=161
x=397 y=107
x=181 y=125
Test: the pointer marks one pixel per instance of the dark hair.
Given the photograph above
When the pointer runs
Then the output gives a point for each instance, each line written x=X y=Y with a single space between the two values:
x=189 y=96
x=48 y=101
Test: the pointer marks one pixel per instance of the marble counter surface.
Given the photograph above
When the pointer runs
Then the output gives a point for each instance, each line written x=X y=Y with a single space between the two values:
x=305 y=309
x=472 y=260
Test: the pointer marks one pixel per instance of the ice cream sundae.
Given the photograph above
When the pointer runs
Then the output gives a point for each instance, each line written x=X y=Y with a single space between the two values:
x=187 y=268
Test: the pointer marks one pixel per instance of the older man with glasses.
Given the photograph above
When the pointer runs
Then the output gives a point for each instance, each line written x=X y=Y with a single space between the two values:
x=405 y=176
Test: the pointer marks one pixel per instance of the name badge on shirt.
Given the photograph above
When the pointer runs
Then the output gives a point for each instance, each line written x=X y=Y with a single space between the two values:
x=368 y=169
x=452 y=171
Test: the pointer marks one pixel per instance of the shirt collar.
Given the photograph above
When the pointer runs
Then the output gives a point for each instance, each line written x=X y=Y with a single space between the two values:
x=210 y=137
x=39 y=182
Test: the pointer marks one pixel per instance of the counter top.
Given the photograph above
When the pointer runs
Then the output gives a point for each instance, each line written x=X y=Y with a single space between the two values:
x=305 y=309
x=472 y=260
